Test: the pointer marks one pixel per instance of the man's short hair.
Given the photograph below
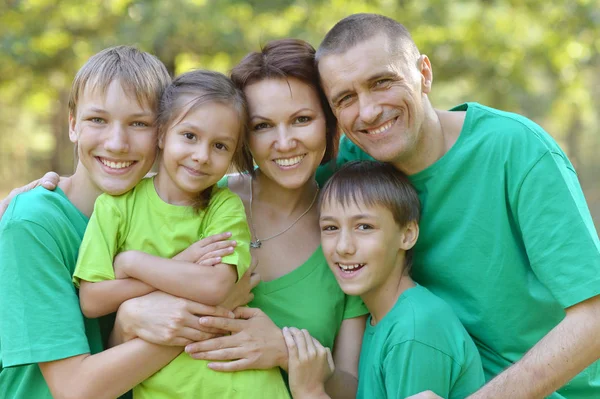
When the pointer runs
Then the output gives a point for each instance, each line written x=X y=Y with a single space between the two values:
x=142 y=75
x=357 y=28
x=375 y=183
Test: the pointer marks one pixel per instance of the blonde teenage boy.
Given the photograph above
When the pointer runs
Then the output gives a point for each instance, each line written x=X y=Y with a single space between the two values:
x=48 y=349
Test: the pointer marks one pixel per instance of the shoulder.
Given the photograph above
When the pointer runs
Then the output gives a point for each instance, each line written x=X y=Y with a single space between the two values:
x=222 y=199
x=41 y=207
x=507 y=127
x=422 y=316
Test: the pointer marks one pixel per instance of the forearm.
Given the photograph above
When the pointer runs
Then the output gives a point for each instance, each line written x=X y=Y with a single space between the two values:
x=203 y=284
x=108 y=374
x=341 y=385
x=105 y=297
x=564 y=352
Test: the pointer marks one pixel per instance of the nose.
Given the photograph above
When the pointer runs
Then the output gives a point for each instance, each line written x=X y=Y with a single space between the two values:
x=118 y=141
x=201 y=154
x=345 y=244
x=370 y=110
x=285 y=140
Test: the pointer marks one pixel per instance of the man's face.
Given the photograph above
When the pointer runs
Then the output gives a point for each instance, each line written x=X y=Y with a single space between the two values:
x=376 y=93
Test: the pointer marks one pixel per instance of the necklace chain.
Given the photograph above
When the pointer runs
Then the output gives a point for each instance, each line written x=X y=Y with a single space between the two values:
x=257 y=243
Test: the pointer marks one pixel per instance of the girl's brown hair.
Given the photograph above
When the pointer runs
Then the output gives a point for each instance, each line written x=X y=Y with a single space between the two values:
x=203 y=87
x=284 y=59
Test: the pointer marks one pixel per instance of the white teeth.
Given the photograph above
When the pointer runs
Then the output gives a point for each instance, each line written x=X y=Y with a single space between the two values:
x=116 y=165
x=381 y=129
x=289 y=161
x=351 y=267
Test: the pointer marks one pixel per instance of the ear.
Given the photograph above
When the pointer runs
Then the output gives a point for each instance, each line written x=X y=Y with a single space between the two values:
x=161 y=141
x=409 y=236
x=426 y=73
x=72 y=132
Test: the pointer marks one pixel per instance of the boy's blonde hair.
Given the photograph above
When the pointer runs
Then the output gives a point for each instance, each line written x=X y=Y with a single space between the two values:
x=142 y=75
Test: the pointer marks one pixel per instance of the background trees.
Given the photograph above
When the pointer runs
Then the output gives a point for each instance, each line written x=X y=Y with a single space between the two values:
x=534 y=57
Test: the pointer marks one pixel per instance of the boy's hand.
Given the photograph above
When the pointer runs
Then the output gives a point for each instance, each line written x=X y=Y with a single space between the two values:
x=49 y=182
x=209 y=251
x=309 y=365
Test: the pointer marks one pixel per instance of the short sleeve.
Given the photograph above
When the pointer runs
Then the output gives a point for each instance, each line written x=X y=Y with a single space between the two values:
x=412 y=367
x=354 y=307
x=226 y=213
x=100 y=243
x=40 y=320
x=558 y=231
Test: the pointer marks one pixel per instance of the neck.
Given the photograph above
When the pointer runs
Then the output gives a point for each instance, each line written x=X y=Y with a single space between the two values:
x=80 y=190
x=438 y=133
x=382 y=299
x=287 y=201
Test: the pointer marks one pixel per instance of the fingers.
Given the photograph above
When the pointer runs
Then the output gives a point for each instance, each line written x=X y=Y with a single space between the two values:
x=254 y=280
x=190 y=335
x=219 y=355
x=210 y=261
x=246 y=312
x=210 y=345
x=236 y=365
x=226 y=324
x=290 y=342
x=330 y=361
x=50 y=180
x=199 y=309
x=218 y=250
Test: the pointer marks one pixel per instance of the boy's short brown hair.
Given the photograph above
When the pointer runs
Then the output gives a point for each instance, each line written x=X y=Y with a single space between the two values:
x=375 y=183
x=141 y=74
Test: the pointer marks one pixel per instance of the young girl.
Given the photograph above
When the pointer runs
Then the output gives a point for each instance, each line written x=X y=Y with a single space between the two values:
x=201 y=125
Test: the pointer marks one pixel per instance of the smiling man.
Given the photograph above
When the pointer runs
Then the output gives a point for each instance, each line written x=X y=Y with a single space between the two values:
x=506 y=236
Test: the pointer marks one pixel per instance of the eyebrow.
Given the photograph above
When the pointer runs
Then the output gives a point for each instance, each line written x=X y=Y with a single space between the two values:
x=197 y=128
x=103 y=111
x=376 y=76
x=353 y=217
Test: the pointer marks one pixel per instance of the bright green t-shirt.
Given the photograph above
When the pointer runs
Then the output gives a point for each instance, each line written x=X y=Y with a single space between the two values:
x=419 y=345
x=506 y=237
x=40 y=319
x=141 y=220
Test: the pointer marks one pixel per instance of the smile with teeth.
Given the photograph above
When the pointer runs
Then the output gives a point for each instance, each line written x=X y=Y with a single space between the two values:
x=381 y=128
x=289 y=161
x=351 y=267
x=116 y=165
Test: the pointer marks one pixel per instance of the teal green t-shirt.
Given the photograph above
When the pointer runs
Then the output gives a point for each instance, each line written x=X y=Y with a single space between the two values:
x=506 y=238
x=40 y=319
x=419 y=345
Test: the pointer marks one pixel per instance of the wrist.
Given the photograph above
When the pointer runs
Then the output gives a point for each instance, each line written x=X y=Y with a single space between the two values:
x=316 y=392
x=283 y=356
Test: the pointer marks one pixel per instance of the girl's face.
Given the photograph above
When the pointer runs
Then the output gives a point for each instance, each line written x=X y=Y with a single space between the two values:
x=196 y=151
x=287 y=130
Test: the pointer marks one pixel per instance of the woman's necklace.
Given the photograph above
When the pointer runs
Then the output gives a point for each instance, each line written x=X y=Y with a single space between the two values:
x=257 y=243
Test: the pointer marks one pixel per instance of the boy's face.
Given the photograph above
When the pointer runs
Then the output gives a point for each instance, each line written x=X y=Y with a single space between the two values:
x=364 y=245
x=116 y=138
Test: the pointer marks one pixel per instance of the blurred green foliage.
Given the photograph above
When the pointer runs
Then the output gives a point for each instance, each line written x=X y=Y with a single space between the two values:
x=534 y=57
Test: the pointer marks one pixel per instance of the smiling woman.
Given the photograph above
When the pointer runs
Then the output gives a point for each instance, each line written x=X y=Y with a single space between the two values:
x=291 y=132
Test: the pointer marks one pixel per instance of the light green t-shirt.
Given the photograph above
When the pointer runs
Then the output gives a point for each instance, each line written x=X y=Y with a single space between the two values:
x=419 y=345
x=141 y=220
x=506 y=237
x=40 y=319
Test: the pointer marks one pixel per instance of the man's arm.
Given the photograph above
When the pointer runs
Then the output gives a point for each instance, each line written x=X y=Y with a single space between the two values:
x=108 y=374
x=558 y=357
x=105 y=297
x=207 y=285
x=49 y=182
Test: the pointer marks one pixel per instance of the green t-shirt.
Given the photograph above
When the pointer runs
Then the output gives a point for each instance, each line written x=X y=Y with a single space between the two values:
x=308 y=297
x=140 y=220
x=506 y=237
x=40 y=319
x=419 y=345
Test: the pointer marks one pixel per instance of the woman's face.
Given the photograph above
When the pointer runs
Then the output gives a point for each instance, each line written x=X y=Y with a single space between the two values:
x=287 y=130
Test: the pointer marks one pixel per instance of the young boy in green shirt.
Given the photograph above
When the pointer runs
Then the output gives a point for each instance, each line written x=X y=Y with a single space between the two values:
x=413 y=341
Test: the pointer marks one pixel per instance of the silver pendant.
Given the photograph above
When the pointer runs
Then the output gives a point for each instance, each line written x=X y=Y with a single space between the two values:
x=255 y=244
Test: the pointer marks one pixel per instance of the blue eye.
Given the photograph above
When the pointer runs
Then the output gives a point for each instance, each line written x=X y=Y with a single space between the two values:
x=97 y=120
x=139 y=124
